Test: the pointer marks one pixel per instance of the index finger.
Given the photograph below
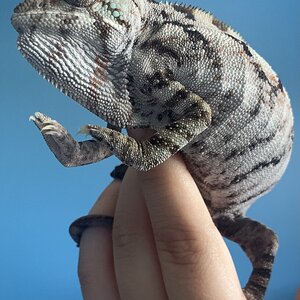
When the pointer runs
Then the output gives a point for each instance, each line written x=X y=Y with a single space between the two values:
x=194 y=259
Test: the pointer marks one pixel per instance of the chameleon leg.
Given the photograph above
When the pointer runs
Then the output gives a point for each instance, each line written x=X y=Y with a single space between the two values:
x=195 y=117
x=259 y=243
x=68 y=152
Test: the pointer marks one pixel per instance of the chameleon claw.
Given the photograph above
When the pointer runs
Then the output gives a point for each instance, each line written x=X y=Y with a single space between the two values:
x=40 y=116
x=84 y=130
x=48 y=128
x=32 y=118
x=89 y=130
x=37 y=117
x=50 y=132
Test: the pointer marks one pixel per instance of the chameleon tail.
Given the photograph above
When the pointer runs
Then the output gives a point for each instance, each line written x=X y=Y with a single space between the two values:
x=259 y=243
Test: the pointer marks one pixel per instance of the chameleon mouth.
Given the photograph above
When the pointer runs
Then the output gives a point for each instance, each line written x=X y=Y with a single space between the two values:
x=26 y=13
x=31 y=12
x=36 y=13
x=18 y=22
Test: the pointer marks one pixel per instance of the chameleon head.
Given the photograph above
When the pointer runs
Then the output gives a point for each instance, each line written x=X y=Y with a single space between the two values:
x=79 y=45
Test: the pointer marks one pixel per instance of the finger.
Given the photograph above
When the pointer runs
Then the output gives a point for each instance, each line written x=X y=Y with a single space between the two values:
x=194 y=260
x=95 y=266
x=135 y=259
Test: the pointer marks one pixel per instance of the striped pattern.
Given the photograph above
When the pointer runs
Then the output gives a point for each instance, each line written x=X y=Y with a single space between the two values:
x=244 y=232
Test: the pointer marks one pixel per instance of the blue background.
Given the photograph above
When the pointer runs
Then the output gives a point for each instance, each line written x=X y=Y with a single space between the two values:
x=39 y=198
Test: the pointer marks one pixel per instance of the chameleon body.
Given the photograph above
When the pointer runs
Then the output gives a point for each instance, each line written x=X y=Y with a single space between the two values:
x=183 y=73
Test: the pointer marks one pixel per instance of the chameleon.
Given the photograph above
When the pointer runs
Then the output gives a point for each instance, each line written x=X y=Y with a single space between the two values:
x=186 y=75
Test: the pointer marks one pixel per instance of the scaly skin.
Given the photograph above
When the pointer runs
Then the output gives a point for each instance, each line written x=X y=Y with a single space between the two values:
x=183 y=73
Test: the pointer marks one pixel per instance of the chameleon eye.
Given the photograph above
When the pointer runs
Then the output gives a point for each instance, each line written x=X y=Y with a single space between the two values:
x=80 y=3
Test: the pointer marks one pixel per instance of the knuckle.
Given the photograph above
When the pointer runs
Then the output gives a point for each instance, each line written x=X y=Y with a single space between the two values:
x=86 y=276
x=178 y=245
x=125 y=238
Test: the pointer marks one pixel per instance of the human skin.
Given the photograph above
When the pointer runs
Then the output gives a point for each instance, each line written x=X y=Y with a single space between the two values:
x=163 y=244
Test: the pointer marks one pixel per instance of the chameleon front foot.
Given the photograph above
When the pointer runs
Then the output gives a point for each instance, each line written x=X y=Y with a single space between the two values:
x=48 y=126
x=68 y=152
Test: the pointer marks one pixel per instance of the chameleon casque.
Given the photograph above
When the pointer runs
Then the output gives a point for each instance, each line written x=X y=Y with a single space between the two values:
x=183 y=73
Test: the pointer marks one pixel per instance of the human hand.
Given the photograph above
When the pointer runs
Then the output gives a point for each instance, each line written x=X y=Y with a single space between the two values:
x=163 y=244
